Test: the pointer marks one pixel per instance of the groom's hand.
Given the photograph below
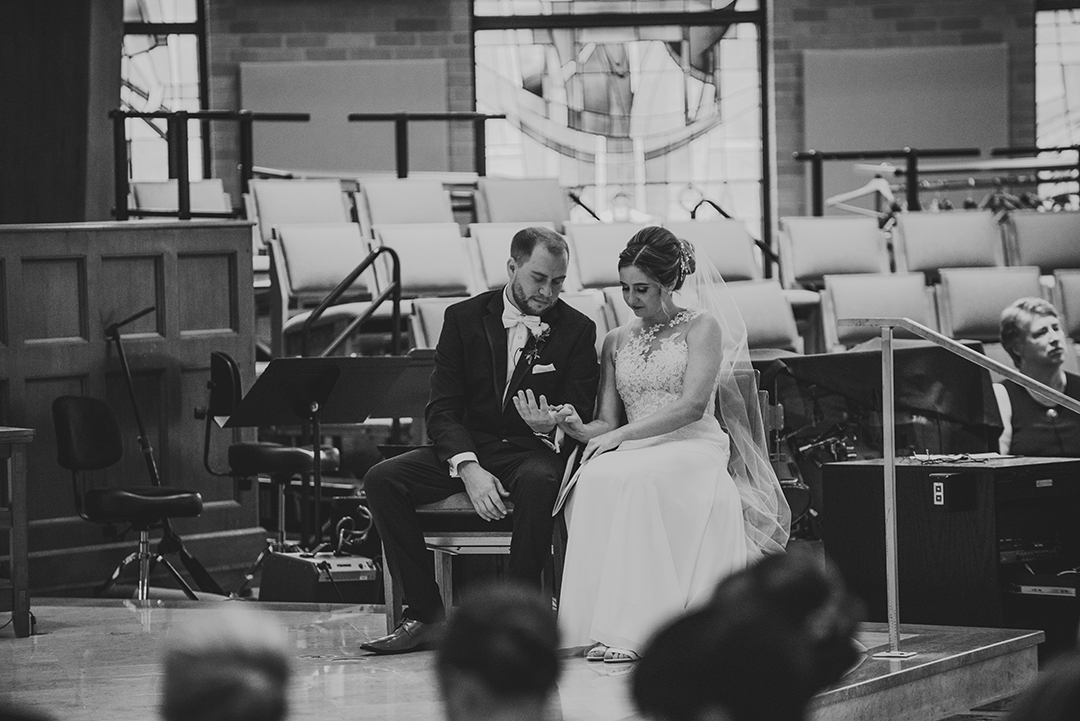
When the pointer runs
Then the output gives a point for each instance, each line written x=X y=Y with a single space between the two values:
x=485 y=491
x=538 y=415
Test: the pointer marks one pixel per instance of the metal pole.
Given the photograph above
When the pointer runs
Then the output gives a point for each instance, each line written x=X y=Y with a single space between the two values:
x=888 y=425
x=183 y=174
x=247 y=148
x=401 y=144
x=120 y=169
x=912 y=179
x=817 y=183
x=480 y=146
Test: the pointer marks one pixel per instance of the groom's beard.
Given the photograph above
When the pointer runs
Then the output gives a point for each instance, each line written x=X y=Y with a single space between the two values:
x=530 y=306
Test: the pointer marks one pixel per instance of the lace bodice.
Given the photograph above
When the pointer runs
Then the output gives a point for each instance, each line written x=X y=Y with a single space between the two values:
x=649 y=368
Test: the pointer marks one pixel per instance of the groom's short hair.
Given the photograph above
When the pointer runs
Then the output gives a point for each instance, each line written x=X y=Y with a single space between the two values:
x=526 y=240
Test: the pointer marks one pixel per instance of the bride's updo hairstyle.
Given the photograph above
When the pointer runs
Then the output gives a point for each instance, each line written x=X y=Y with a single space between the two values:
x=662 y=256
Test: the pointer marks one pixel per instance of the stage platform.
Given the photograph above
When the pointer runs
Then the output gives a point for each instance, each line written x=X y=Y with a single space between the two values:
x=95 y=659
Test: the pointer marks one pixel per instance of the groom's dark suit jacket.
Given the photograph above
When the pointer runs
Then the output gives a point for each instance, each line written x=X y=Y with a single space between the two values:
x=466 y=407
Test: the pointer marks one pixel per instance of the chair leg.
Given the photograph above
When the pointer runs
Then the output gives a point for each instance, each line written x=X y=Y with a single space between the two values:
x=444 y=578
x=243 y=589
x=142 y=590
x=280 y=481
x=176 y=575
x=111 y=580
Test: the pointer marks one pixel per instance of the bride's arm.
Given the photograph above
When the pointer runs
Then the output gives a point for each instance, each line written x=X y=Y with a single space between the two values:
x=609 y=411
x=704 y=348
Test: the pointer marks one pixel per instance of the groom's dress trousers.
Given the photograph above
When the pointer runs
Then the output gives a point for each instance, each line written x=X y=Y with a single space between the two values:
x=470 y=411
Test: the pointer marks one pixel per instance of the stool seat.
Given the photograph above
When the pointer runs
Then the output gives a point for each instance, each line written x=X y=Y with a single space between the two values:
x=140 y=506
x=457 y=503
x=249 y=459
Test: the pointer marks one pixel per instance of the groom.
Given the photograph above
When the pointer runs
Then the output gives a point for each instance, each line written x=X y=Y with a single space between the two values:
x=520 y=339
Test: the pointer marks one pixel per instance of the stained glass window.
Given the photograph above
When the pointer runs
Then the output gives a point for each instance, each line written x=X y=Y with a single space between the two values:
x=1057 y=87
x=160 y=70
x=645 y=121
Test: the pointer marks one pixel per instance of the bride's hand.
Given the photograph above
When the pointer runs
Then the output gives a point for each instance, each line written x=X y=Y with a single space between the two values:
x=601 y=444
x=567 y=418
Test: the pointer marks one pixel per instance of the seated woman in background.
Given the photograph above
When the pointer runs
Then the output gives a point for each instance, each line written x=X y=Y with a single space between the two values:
x=1031 y=333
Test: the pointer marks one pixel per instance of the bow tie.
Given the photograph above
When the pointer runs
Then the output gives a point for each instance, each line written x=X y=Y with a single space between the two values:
x=512 y=316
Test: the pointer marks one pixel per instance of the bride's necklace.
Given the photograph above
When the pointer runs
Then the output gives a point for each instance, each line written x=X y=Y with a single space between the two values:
x=648 y=332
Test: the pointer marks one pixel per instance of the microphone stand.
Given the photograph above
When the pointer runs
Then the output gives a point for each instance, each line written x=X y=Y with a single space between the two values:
x=170 y=540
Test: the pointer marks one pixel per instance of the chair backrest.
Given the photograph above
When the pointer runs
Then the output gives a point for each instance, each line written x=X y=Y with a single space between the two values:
x=873 y=295
x=592 y=303
x=397 y=201
x=433 y=258
x=1049 y=240
x=206 y=195
x=532 y=200
x=225 y=391
x=813 y=247
x=727 y=243
x=594 y=251
x=490 y=243
x=1067 y=299
x=427 y=319
x=310 y=260
x=970 y=300
x=296 y=202
x=87 y=434
x=926 y=242
x=307 y=262
x=770 y=322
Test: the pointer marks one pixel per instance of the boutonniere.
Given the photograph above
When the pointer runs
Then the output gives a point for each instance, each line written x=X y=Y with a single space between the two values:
x=535 y=344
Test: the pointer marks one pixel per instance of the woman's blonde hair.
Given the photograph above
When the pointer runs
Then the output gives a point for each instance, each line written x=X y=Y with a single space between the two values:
x=1015 y=320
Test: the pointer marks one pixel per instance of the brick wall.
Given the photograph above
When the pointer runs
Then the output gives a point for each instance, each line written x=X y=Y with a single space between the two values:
x=275 y=30
x=284 y=30
x=800 y=25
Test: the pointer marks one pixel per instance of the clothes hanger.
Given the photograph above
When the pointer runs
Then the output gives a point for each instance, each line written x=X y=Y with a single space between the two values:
x=876 y=186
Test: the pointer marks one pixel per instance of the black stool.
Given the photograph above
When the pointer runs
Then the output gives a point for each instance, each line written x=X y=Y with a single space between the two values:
x=252 y=459
x=88 y=439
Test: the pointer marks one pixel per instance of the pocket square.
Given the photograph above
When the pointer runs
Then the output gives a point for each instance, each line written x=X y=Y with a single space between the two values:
x=544 y=368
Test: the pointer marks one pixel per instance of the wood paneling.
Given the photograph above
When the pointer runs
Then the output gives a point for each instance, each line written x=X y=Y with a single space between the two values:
x=64 y=285
x=213 y=309
x=53 y=299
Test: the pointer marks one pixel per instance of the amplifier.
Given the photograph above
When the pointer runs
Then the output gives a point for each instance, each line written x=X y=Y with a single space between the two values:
x=318 y=578
x=988 y=543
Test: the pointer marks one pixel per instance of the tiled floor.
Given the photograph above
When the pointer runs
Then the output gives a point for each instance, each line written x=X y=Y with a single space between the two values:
x=99 y=659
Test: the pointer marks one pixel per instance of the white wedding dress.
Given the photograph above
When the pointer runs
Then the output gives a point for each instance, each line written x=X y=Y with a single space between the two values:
x=657 y=523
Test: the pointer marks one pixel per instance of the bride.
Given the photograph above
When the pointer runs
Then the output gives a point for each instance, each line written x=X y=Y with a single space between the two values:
x=656 y=519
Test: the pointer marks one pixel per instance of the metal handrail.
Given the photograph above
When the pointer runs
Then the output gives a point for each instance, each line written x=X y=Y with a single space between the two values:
x=401 y=121
x=176 y=138
x=888 y=422
x=392 y=291
x=968 y=354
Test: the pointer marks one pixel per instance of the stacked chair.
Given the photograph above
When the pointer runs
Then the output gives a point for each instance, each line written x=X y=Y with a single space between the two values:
x=529 y=200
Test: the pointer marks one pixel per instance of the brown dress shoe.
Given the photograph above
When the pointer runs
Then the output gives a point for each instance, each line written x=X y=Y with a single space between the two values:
x=410 y=635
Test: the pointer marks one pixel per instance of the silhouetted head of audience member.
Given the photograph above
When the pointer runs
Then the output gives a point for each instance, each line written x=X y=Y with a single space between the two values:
x=773 y=635
x=230 y=665
x=1055 y=694
x=498 y=656
x=10 y=711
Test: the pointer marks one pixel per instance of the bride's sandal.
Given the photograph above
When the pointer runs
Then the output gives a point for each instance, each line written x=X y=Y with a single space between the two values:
x=620 y=655
x=596 y=653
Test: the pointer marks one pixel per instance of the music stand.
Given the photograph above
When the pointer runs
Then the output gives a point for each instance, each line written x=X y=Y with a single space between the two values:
x=332 y=390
